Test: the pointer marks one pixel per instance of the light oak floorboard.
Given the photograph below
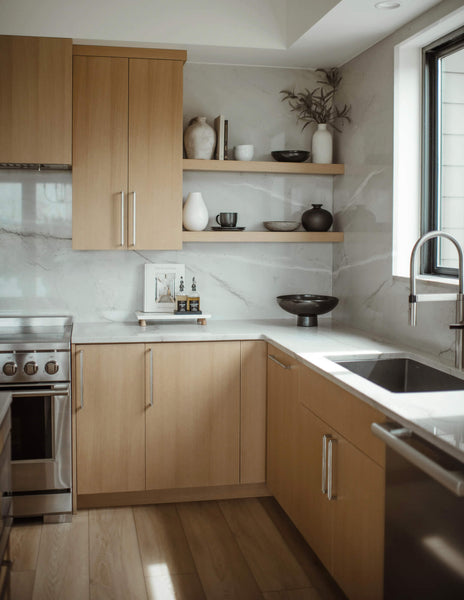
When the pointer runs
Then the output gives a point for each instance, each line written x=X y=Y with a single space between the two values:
x=63 y=564
x=271 y=562
x=163 y=545
x=24 y=545
x=221 y=566
x=316 y=572
x=304 y=594
x=22 y=585
x=115 y=565
x=185 y=586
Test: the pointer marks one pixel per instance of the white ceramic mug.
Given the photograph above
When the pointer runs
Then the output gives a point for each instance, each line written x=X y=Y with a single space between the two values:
x=244 y=152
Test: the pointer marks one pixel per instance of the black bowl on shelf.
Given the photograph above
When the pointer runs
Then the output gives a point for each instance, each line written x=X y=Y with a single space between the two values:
x=290 y=155
x=307 y=307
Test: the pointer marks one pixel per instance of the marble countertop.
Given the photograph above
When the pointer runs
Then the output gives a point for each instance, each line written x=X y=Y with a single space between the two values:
x=436 y=416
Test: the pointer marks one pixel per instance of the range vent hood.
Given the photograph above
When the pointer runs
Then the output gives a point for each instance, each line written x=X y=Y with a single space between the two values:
x=35 y=167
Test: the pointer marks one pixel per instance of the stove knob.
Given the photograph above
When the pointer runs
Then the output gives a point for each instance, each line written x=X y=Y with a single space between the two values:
x=31 y=368
x=10 y=368
x=52 y=367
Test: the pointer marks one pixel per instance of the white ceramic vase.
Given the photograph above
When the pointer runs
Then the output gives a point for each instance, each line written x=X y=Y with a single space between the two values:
x=322 y=145
x=195 y=214
x=199 y=139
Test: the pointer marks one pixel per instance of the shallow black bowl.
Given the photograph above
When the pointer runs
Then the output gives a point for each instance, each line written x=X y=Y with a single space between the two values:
x=307 y=306
x=290 y=155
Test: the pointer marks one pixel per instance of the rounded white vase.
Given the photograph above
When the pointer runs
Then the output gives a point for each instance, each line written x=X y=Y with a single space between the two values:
x=322 y=145
x=195 y=213
x=199 y=139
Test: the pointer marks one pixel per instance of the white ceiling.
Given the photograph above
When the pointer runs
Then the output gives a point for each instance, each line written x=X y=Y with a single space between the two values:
x=287 y=33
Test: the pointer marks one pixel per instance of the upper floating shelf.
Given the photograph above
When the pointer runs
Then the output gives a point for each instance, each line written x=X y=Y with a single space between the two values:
x=255 y=166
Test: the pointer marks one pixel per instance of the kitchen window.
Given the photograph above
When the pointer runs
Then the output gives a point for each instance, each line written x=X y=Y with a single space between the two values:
x=443 y=151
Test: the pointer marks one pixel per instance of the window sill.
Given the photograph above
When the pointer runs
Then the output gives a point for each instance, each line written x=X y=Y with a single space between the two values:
x=445 y=281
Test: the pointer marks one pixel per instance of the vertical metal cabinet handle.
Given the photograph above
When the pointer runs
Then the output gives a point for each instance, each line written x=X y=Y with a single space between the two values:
x=81 y=359
x=281 y=364
x=330 y=493
x=122 y=218
x=134 y=217
x=325 y=437
x=151 y=376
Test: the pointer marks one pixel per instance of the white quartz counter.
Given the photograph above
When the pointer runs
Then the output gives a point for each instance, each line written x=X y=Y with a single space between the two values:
x=436 y=416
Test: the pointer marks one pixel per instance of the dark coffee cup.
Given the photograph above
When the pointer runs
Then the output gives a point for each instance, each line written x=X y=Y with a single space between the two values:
x=227 y=219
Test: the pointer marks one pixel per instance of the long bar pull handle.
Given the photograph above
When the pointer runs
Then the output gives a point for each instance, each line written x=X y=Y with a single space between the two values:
x=325 y=437
x=151 y=376
x=281 y=364
x=81 y=377
x=33 y=393
x=330 y=476
x=453 y=481
x=123 y=225
x=134 y=218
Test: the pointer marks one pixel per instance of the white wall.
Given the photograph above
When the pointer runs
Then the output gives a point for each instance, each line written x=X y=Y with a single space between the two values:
x=39 y=272
x=363 y=203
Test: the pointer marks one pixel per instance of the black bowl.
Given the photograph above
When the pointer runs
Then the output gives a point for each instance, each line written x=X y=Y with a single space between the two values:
x=307 y=307
x=290 y=155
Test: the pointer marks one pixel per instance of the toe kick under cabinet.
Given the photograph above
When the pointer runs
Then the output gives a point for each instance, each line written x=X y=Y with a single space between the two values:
x=168 y=421
x=327 y=471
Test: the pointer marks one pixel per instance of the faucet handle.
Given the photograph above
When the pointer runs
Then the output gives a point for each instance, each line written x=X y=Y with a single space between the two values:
x=457 y=325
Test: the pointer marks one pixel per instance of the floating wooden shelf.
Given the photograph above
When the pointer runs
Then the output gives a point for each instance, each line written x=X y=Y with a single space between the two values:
x=262 y=236
x=254 y=166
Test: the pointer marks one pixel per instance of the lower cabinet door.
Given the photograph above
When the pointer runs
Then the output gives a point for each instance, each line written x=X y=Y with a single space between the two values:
x=358 y=523
x=314 y=516
x=110 y=417
x=193 y=414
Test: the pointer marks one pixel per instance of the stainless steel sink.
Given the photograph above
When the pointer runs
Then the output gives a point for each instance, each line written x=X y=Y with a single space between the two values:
x=402 y=375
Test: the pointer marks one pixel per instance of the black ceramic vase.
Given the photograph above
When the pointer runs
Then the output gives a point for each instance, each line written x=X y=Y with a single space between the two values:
x=316 y=219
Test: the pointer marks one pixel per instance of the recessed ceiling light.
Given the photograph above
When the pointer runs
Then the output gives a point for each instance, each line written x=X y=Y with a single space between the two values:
x=387 y=5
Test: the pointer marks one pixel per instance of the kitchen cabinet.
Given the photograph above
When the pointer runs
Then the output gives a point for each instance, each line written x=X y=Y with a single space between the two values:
x=109 y=401
x=282 y=425
x=341 y=489
x=127 y=148
x=35 y=100
x=193 y=417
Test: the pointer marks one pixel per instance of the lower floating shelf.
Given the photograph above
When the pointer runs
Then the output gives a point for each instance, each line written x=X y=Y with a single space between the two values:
x=262 y=236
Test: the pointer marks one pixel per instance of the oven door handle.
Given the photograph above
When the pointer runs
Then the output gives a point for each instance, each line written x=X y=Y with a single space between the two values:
x=453 y=481
x=56 y=391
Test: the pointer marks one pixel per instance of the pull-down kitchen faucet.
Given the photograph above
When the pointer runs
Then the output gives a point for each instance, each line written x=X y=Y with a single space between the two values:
x=414 y=298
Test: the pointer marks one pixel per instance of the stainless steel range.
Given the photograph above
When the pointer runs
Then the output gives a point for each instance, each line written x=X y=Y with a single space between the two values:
x=35 y=366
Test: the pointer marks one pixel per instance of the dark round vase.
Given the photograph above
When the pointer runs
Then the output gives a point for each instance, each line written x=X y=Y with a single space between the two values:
x=316 y=219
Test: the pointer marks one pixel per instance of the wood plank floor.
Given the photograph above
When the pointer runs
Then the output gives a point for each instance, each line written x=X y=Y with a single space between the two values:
x=233 y=549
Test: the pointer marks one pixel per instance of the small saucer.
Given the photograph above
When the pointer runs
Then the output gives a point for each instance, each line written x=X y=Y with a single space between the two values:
x=227 y=228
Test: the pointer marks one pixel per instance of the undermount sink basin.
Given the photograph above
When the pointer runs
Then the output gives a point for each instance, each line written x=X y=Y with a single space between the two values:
x=402 y=375
x=307 y=307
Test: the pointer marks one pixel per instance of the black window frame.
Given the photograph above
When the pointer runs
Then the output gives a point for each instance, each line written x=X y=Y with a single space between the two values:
x=431 y=146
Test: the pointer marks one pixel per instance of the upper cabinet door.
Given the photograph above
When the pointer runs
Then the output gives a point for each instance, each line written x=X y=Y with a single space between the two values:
x=100 y=109
x=35 y=100
x=155 y=154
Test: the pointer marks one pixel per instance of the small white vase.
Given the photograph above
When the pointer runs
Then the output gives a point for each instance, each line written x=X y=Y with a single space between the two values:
x=322 y=145
x=199 y=139
x=195 y=213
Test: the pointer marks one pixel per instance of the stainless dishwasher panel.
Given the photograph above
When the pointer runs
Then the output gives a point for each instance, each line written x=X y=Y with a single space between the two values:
x=424 y=519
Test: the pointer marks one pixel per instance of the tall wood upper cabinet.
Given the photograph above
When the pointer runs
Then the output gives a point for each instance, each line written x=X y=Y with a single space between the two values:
x=127 y=148
x=35 y=100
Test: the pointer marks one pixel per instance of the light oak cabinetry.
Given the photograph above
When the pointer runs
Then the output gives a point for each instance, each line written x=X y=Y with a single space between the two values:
x=35 y=100
x=109 y=397
x=127 y=148
x=327 y=471
x=153 y=418
x=282 y=424
x=193 y=418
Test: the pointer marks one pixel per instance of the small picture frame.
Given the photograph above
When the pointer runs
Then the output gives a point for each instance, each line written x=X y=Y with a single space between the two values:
x=161 y=287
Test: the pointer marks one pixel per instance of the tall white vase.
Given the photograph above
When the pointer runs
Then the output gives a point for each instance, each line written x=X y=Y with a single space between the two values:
x=195 y=214
x=322 y=145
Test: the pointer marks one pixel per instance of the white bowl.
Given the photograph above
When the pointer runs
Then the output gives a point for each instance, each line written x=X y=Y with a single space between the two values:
x=281 y=225
x=244 y=152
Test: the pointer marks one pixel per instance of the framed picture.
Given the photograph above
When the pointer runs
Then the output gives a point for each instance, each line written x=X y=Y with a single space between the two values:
x=161 y=287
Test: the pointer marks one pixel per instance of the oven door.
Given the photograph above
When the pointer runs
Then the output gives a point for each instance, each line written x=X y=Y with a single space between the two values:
x=41 y=439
